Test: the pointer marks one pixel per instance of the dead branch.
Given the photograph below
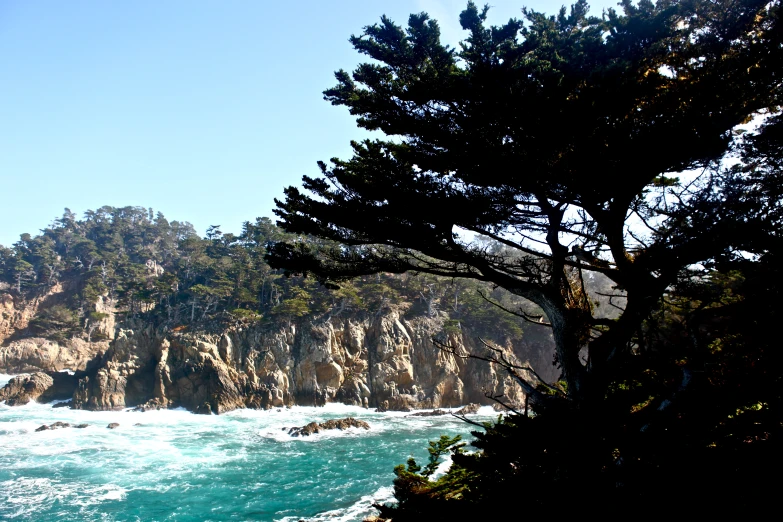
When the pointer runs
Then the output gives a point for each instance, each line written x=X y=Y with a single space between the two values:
x=535 y=319
x=496 y=398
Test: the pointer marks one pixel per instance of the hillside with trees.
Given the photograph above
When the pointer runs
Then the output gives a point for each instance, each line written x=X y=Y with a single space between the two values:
x=164 y=272
x=125 y=288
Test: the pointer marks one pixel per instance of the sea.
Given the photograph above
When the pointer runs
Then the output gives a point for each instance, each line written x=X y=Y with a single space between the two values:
x=175 y=465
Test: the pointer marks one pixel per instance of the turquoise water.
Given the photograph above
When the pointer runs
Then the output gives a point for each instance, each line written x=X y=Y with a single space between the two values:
x=185 y=467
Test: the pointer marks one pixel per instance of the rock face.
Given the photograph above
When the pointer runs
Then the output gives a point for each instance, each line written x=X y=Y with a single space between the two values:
x=341 y=424
x=385 y=360
x=35 y=354
x=24 y=354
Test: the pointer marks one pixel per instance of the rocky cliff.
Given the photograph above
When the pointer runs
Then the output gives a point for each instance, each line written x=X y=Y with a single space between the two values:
x=383 y=360
x=386 y=359
x=145 y=313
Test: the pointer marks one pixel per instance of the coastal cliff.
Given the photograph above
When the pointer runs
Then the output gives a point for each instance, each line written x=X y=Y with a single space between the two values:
x=385 y=360
x=144 y=313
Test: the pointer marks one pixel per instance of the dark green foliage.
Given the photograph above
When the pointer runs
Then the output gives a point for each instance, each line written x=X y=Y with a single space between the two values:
x=546 y=149
x=693 y=425
x=57 y=322
x=552 y=140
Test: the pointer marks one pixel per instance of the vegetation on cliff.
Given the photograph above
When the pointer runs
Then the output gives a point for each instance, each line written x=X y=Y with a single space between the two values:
x=607 y=145
x=163 y=271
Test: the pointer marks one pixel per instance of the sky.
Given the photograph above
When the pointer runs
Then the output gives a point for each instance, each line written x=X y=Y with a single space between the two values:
x=202 y=110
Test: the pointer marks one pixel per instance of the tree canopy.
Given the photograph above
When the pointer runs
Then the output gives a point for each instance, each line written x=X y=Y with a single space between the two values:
x=580 y=143
x=644 y=145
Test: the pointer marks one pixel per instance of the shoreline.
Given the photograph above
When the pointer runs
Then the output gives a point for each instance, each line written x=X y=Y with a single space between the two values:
x=5 y=378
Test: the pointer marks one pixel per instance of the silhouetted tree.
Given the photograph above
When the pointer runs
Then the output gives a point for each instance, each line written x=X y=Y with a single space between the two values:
x=558 y=137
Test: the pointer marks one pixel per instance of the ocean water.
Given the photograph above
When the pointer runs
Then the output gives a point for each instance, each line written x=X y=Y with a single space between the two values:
x=174 y=465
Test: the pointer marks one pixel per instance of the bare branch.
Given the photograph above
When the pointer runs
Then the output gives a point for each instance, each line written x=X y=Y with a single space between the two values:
x=465 y=419
x=535 y=319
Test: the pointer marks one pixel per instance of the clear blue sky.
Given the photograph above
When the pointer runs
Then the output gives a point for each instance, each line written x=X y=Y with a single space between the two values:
x=203 y=110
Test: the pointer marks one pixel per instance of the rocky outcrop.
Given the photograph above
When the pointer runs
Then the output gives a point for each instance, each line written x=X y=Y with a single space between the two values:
x=385 y=360
x=39 y=386
x=314 y=427
x=25 y=388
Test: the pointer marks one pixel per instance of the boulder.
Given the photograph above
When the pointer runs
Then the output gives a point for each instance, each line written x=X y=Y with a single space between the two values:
x=113 y=425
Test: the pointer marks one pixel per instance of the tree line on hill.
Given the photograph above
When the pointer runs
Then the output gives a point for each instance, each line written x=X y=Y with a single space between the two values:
x=163 y=271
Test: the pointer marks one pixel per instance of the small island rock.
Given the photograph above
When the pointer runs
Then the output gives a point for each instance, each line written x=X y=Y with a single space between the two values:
x=334 y=424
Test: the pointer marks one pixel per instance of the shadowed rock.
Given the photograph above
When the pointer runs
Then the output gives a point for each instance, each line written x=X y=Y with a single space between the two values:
x=113 y=425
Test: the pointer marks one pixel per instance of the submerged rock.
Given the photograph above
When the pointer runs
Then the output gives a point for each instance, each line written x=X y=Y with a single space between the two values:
x=55 y=426
x=334 y=424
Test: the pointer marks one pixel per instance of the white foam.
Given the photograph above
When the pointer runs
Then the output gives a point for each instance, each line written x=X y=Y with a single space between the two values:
x=170 y=445
x=359 y=510
x=25 y=496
